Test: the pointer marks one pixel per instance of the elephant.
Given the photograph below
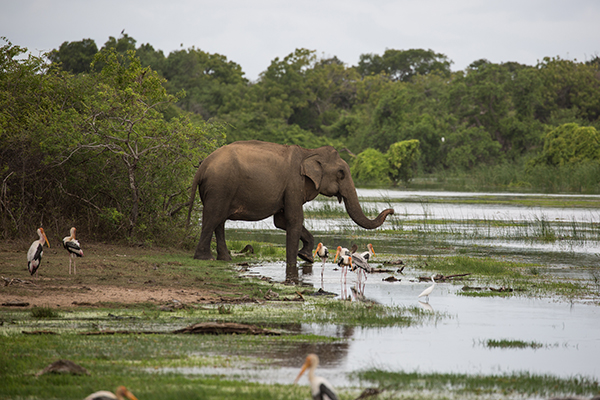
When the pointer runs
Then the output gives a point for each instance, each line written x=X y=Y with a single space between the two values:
x=252 y=180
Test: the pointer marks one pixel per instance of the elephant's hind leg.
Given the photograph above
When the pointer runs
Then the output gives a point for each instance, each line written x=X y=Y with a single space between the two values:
x=222 y=251
x=209 y=225
x=306 y=237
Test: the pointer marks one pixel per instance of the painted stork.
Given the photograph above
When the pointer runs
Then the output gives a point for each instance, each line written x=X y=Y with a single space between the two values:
x=74 y=249
x=427 y=292
x=323 y=254
x=370 y=253
x=359 y=260
x=345 y=259
x=320 y=388
x=121 y=394
x=36 y=251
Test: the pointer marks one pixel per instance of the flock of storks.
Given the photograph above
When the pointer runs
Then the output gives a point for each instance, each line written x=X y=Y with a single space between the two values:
x=356 y=262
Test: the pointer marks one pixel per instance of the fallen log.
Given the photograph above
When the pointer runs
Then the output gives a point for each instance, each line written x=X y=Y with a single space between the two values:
x=63 y=367
x=440 y=277
x=225 y=328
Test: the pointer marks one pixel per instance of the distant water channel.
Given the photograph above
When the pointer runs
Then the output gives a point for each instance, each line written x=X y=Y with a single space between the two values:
x=438 y=223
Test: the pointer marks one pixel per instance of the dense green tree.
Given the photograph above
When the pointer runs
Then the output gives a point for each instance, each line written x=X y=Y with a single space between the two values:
x=125 y=121
x=75 y=57
x=402 y=158
x=155 y=59
x=121 y=45
x=207 y=79
x=371 y=167
x=402 y=65
x=467 y=147
x=570 y=144
x=93 y=150
x=571 y=92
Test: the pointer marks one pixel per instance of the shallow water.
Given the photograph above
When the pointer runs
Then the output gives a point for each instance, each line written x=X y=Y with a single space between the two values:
x=569 y=333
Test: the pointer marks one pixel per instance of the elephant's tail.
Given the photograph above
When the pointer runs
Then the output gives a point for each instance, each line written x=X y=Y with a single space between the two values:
x=193 y=193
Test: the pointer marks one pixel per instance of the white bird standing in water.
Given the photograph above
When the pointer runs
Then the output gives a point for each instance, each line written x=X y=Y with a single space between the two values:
x=320 y=388
x=345 y=260
x=428 y=291
x=36 y=251
x=323 y=254
x=74 y=249
x=121 y=394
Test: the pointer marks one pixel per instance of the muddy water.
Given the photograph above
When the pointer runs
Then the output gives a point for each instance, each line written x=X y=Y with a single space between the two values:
x=568 y=333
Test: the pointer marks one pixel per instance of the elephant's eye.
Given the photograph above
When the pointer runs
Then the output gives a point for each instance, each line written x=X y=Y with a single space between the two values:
x=341 y=174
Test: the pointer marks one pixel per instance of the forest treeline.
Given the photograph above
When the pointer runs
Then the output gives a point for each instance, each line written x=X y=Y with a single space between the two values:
x=113 y=135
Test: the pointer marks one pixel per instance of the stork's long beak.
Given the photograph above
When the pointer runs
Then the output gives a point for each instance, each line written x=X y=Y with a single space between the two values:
x=301 y=371
x=337 y=253
x=317 y=249
x=130 y=395
x=44 y=235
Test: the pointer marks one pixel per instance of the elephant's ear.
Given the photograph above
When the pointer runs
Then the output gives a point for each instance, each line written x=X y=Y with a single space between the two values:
x=311 y=167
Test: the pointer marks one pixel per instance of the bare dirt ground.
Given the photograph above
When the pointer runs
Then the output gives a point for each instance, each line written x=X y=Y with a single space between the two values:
x=106 y=274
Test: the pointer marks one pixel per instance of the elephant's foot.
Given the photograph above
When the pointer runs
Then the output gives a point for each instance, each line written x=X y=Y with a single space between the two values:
x=203 y=256
x=224 y=257
x=306 y=256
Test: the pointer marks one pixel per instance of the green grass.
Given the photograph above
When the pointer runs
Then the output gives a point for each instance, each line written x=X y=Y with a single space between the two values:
x=44 y=312
x=136 y=361
x=516 y=385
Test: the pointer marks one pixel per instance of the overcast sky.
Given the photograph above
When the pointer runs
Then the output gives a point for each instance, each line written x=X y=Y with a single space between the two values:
x=253 y=32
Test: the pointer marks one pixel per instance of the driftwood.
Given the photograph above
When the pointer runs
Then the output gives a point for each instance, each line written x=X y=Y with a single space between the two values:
x=391 y=279
x=110 y=332
x=220 y=328
x=369 y=392
x=15 y=304
x=10 y=281
x=440 y=277
x=477 y=288
x=395 y=262
x=382 y=271
x=63 y=367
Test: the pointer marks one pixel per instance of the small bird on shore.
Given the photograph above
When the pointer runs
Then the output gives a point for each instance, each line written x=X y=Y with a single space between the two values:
x=427 y=292
x=36 y=251
x=121 y=394
x=320 y=388
x=74 y=249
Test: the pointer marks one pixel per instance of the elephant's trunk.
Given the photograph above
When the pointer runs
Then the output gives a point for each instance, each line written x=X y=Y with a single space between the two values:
x=356 y=213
